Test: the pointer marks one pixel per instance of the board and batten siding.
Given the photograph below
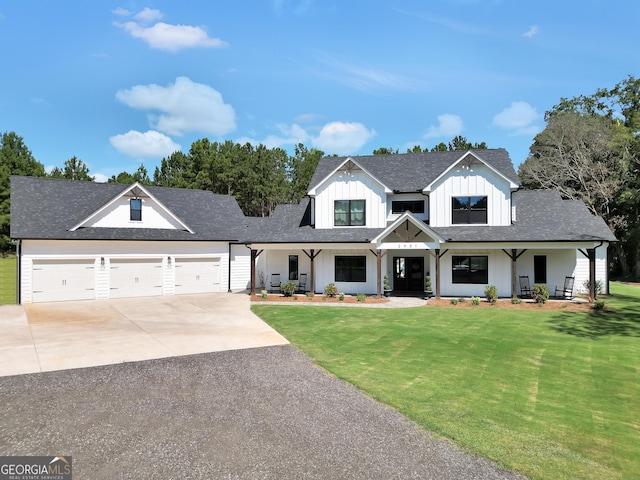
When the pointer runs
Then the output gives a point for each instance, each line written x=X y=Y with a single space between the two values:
x=356 y=186
x=480 y=181
x=499 y=266
x=240 y=263
x=118 y=216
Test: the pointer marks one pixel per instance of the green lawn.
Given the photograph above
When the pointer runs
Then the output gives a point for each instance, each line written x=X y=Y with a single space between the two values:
x=7 y=280
x=553 y=395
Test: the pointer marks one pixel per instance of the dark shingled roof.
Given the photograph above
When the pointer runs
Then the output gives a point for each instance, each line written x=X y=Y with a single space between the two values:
x=411 y=172
x=46 y=208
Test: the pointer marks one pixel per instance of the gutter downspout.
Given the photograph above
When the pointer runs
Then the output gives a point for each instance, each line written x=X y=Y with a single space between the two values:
x=229 y=270
x=18 y=271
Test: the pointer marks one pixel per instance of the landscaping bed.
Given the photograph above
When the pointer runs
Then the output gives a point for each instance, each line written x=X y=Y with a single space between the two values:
x=303 y=298
x=562 y=305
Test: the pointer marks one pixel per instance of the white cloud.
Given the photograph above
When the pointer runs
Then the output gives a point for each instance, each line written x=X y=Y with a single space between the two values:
x=449 y=125
x=531 y=32
x=291 y=136
x=186 y=106
x=100 y=178
x=121 y=12
x=150 y=144
x=342 y=137
x=518 y=118
x=147 y=15
x=165 y=36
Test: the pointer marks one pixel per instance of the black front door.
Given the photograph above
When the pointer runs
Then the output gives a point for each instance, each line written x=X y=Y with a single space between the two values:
x=408 y=274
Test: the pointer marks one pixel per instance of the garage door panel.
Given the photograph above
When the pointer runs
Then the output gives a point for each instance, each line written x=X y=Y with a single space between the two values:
x=135 y=278
x=63 y=280
x=197 y=275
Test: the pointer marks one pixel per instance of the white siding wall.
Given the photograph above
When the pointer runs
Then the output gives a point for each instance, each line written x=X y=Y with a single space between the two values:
x=325 y=272
x=499 y=275
x=240 y=268
x=277 y=261
x=479 y=182
x=96 y=250
x=565 y=263
x=357 y=186
x=118 y=216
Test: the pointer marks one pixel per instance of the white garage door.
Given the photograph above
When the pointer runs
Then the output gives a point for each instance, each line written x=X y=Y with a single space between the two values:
x=135 y=278
x=197 y=275
x=63 y=280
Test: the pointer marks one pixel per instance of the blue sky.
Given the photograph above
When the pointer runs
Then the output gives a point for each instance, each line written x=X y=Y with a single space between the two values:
x=122 y=83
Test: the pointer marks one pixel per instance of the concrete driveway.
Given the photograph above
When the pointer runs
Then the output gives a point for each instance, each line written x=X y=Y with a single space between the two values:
x=56 y=336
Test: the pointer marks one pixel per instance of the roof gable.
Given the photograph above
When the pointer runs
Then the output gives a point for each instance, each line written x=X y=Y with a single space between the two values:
x=408 y=229
x=348 y=165
x=114 y=213
x=466 y=162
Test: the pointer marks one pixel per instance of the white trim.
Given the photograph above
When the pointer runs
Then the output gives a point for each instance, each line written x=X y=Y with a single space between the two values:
x=416 y=222
x=122 y=194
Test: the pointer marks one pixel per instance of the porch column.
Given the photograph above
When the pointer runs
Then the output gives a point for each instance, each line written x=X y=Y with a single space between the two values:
x=591 y=252
x=514 y=274
x=379 y=265
x=312 y=272
x=437 y=250
x=253 y=272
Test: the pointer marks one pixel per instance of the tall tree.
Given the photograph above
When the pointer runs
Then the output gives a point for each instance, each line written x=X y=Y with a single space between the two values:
x=141 y=176
x=385 y=151
x=15 y=159
x=74 y=169
x=302 y=166
x=600 y=133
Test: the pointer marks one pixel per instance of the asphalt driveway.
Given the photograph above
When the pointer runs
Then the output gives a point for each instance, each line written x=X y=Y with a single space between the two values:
x=54 y=336
x=263 y=413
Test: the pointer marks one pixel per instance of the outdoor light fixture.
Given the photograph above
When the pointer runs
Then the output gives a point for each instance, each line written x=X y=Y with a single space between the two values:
x=102 y=263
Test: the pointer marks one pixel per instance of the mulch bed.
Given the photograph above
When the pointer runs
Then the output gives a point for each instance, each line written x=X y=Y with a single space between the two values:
x=302 y=298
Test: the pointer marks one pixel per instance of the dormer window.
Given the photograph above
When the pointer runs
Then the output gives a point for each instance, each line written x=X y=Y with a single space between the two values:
x=465 y=210
x=349 y=213
x=135 y=209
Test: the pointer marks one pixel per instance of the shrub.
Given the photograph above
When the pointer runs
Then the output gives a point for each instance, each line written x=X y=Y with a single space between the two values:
x=540 y=293
x=427 y=284
x=491 y=292
x=288 y=288
x=341 y=297
x=587 y=286
x=331 y=290
x=475 y=300
x=387 y=285
x=462 y=299
x=310 y=295
x=599 y=305
x=264 y=294
x=453 y=301
x=361 y=297
x=516 y=301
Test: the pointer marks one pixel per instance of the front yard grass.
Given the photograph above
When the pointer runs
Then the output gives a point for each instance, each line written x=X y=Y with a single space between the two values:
x=7 y=280
x=550 y=394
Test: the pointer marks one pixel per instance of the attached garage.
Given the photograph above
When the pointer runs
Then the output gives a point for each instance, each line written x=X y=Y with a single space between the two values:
x=135 y=277
x=197 y=275
x=63 y=280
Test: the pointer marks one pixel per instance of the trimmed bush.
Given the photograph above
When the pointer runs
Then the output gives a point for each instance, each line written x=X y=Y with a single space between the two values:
x=331 y=290
x=540 y=293
x=491 y=292
x=453 y=301
x=599 y=305
x=341 y=297
x=361 y=297
x=264 y=294
x=475 y=300
x=288 y=288
x=516 y=301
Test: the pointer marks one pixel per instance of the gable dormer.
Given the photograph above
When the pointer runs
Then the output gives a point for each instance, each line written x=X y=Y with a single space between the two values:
x=134 y=207
x=470 y=192
x=349 y=196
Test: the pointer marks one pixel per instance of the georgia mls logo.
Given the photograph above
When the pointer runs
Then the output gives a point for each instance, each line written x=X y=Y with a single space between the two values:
x=35 y=468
